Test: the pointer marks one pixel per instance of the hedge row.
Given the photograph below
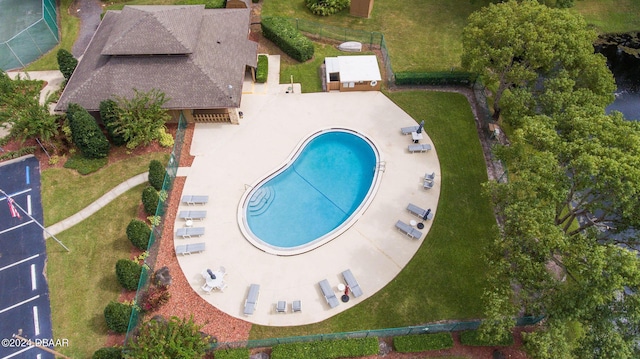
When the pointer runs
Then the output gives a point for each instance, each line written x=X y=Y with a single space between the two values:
x=282 y=33
x=327 y=349
x=435 y=78
x=423 y=342
x=240 y=353
x=471 y=338
x=86 y=134
x=18 y=153
x=263 y=69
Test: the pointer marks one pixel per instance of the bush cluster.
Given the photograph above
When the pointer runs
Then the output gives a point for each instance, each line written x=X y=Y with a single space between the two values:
x=154 y=298
x=435 y=78
x=164 y=138
x=156 y=174
x=18 y=153
x=327 y=349
x=422 y=342
x=150 y=198
x=108 y=353
x=117 y=316
x=326 y=7
x=128 y=273
x=86 y=134
x=109 y=115
x=240 y=353
x=472 y=338
x=263 y=69
x=287 y=38
x=138 y=233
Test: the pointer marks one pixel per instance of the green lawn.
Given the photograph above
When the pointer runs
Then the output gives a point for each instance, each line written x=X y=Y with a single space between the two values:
x=83 y=281
x=445 y=279
x=65 y=192
x=610 y=15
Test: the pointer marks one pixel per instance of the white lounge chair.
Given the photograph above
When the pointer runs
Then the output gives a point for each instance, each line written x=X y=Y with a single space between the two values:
x=418 y=211
x=252 y=299
x=190 y=199
x=408 y=230
x=192 y=215
x=408 y=130
x=328 y=293
x=419 y=147
x=427 y=184
x=296 y=306
x=281 y=306
x=430 y=176
x=352 y=283
x=190 y=248
x=189 y=232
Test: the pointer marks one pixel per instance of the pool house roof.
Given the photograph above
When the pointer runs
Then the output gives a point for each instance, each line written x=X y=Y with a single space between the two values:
x=196 y=56
x=354 y=68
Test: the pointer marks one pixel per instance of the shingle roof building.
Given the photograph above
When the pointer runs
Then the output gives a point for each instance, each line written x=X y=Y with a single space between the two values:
x=196 y=56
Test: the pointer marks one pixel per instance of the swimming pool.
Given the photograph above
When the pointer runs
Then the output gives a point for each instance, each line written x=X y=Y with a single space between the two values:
x=319 y=192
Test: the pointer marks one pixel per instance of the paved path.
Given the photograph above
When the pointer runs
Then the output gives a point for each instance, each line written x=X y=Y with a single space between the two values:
x=97 y=205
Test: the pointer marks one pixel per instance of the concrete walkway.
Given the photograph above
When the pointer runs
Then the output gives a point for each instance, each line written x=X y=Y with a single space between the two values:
x=97 y=205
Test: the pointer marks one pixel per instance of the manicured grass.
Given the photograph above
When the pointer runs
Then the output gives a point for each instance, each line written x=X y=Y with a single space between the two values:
x=69 y=27
x=83 y=281
x=610 y=15
x=307 y=73
x=65 y=191
x=445 y=278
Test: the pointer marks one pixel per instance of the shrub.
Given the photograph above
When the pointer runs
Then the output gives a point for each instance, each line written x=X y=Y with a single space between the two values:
x=128 y=273
x=326 y=7
x=18 y=153
x=154 y=298
x=117 y=316
x=66 y=62
x=108 y=353
x=327 y=349
x=240 y=353
x=156 y=174
x=472 y=338
x=150 y=200
x=86 y=134
x=263 y=69
x=84 y=165
x=165 y=139
x=140 y=117
x=287 y=38
x=175 y=338
x=109 y=115
x=422 y=342
x=138 y=233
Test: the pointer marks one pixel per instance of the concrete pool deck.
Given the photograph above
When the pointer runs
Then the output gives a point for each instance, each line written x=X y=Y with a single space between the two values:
x=230 y=157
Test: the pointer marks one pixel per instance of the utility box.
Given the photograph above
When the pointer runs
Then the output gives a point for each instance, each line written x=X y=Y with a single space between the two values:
x=361 y=8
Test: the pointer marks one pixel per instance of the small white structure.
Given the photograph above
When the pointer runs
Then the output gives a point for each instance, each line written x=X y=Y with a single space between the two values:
x=352 y=73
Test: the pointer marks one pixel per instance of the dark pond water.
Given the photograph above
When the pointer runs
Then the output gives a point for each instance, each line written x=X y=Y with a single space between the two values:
x=628 y=102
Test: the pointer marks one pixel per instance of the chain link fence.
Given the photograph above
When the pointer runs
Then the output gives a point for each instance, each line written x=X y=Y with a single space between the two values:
x=380 y=333
x=37 y=38
x=148 y=268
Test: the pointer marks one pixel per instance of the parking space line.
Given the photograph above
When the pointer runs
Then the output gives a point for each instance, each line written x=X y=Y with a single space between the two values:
x=4 y=198
x=33 y=277
x=29 y=204
x=19 y=262
x=18 y=352
x=36 y=321
x=19 y=304
x=15 y=227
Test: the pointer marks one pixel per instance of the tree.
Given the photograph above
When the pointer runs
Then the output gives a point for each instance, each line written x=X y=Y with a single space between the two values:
x=109 y=115
x=175 y=338
x=86 y=134
x=67 y=63
x=524 y=45
x=140 y=119
x=572 y=194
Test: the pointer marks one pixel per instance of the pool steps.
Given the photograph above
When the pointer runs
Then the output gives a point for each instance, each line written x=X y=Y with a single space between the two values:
x=261 y=200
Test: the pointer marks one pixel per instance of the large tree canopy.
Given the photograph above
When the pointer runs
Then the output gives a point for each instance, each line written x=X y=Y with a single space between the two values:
x=527 y=52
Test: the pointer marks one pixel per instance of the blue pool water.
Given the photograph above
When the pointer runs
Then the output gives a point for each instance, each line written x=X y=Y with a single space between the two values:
x=326 y=182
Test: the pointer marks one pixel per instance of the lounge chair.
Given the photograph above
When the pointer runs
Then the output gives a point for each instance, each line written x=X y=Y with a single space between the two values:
x=408 y=130
x=252 y=299
x=419 y=147
x=190 y=248
x=296 y=306
x=192 y=215
x=190 y=199
x=281 y=306
x=352 y=283
x=430 y=176
x=189 y=232
x=328 y=293
x=419 y=212
x=427 y=184
x=408 y=230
